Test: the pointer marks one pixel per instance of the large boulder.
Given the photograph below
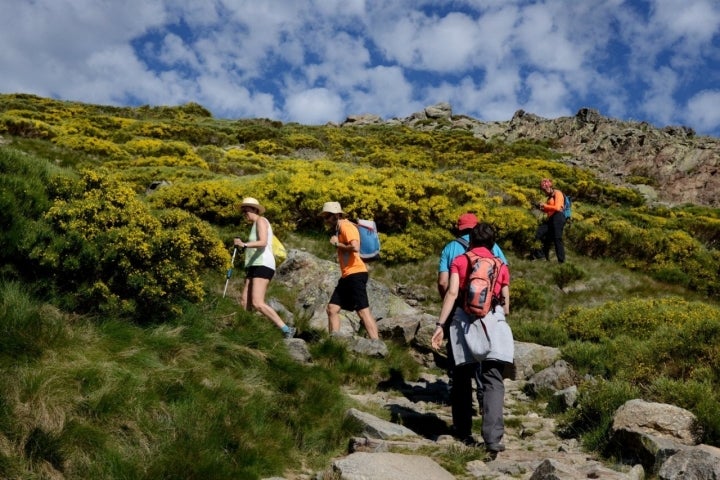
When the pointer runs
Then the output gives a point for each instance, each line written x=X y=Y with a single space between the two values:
x=651 y=433
x=701 y=463
x=314 y=280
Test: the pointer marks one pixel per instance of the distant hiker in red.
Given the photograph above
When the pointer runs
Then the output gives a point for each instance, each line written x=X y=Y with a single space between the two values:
x=551 y=230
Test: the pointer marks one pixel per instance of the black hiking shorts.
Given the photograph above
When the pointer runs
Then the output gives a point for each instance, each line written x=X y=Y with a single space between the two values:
x=351 y=292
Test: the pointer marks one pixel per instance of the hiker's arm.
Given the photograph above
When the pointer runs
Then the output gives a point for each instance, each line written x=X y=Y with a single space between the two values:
x=505 y=292
x=354 y=245
x=442 y=283
x=448 y=306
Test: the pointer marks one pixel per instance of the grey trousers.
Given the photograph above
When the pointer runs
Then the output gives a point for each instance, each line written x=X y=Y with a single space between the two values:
x=491 y=377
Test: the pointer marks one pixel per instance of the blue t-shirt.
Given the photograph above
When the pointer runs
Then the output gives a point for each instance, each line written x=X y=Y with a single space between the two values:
x=455 y=248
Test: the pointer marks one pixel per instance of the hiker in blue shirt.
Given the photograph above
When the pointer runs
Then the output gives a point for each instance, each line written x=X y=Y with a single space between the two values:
x=458 y=246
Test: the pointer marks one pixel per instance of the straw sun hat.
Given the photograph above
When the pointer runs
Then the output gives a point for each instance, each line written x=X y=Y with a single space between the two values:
x=252 y=202
x=331 y=207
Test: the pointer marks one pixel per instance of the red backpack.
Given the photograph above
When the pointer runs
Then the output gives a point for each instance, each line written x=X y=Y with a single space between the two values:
x=479 y=290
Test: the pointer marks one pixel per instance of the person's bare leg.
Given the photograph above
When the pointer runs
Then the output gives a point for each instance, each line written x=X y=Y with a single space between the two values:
x=369 y=322
x=333 y=313
x=259 y=288
x=245 y=295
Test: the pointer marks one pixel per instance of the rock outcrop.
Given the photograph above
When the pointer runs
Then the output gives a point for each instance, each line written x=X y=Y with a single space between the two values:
x=670 y=165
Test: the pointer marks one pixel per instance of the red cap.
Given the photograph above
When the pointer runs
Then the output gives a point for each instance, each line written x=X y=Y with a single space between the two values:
x=467 y=220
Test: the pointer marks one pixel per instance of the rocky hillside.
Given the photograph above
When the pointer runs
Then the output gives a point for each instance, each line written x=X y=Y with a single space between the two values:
x=659 y=440
x=670 y=165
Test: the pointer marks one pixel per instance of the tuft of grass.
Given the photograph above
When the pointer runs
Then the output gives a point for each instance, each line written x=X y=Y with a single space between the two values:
x=454 y=458
x=28 y=328
x=592 y=419
x=567 y=273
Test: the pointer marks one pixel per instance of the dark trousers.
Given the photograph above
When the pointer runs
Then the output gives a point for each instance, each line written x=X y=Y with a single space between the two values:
x=491 y=377
x=550 y=233
x=461 y=400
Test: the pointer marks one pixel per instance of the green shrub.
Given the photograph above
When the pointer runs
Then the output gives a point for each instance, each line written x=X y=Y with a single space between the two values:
x=107 y=252
x=528 y=295
x=634 y=317
x=566 y=273
x=23 y=200
x=592 y=419
x=13 y=124
x=642 y=343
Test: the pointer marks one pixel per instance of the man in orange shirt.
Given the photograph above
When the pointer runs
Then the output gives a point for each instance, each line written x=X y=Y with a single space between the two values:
x=351 y=290
x=551 y=230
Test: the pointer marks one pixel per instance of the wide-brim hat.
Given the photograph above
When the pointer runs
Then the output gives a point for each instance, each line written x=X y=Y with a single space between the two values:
x=252 y=202
x=467 y=220
x=331 y=207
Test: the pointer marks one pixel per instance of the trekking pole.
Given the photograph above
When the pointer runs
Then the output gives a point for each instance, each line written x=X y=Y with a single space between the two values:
x=230 y=270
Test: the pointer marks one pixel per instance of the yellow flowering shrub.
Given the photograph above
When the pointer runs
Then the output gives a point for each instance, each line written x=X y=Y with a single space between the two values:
x=215 y=201
x=25 y=127
x=403 y=178
x=108 y=253
x=634 y=317
x=267 y=147
x=81 y=126
x=299 y=141
x=91 y=145
x=153 y=147
x=190 y=159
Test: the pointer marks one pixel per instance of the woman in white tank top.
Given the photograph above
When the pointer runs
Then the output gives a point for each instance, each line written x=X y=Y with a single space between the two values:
x=259 y=264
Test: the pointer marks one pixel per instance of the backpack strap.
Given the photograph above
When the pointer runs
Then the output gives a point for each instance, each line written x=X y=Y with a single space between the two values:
x=463 y=242
x=463 y=289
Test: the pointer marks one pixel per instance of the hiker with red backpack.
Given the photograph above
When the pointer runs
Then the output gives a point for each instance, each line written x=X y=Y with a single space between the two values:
x=551 y=230
x=457 y=246
x=464 y=303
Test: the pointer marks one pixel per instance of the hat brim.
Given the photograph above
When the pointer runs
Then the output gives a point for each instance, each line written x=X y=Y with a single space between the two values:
x=256 y=206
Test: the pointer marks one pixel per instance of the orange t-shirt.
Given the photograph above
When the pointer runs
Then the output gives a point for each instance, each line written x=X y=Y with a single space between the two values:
x=350 y=261
x=554 y=204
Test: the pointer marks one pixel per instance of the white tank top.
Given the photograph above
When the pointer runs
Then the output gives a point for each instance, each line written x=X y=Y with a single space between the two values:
x=262 y=256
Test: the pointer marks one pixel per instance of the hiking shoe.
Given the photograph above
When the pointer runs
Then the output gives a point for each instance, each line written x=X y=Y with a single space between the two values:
x=470 y=441
x=290 y=333
x=495 y=447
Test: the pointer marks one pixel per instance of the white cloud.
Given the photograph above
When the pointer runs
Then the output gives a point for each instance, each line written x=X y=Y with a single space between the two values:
x=175 y=51
x=543 y=44
x=322 y=60
x=702 y=110
x=315 y=106
x=548 y=94
x=658 y=101
x=385 y=92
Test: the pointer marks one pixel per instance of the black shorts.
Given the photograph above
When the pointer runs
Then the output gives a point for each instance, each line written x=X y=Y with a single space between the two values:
x=351 y=292
x=259 y=272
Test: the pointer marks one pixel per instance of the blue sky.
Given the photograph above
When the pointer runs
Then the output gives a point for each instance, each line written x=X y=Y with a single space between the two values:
x=318 y=61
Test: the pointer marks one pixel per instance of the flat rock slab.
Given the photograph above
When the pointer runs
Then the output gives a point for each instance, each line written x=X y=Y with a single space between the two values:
x=389 y=466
